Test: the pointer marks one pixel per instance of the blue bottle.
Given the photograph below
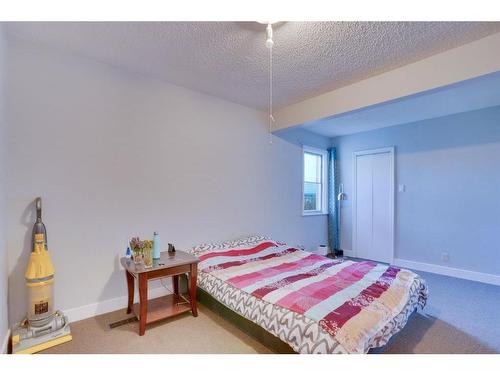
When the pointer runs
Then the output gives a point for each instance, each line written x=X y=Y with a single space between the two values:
x=156 y=245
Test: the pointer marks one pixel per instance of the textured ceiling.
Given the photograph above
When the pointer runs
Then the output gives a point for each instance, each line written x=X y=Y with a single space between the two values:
x=229 y=59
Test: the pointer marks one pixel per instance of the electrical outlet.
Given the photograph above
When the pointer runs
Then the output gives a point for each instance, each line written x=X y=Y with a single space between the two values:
x=445 y=257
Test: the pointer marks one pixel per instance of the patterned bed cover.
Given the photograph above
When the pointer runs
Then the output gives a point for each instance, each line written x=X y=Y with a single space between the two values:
x=303 y=333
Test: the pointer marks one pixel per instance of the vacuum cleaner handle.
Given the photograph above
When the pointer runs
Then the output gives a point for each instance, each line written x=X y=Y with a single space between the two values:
x=38 y=204
x=39 y=226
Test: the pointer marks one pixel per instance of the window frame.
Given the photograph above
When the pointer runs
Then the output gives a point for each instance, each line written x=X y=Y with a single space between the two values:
x=324 y=180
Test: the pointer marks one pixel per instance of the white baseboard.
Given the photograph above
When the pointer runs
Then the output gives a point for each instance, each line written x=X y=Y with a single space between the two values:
x=103 y=307
x=487 y=278
x=5 y=342
x=88 y=311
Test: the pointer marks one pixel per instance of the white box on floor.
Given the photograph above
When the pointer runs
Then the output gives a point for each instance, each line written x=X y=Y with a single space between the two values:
x=323 y=250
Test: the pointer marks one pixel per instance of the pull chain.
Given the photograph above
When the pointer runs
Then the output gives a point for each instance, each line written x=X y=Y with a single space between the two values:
x=269 y=44
x=271 y=118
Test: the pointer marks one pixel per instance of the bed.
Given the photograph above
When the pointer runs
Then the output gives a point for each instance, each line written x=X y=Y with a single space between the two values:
x=312 y=303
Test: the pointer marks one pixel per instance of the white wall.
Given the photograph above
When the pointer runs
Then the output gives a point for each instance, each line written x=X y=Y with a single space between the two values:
x=115 y=154
x=451 y=169
x=3 y=250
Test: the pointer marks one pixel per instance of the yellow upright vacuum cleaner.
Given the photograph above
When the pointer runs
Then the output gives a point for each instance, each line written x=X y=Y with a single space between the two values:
x=42 y=328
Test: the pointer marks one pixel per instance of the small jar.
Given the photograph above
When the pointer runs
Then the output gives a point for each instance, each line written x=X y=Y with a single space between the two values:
x=148 y=257
x=138 y=256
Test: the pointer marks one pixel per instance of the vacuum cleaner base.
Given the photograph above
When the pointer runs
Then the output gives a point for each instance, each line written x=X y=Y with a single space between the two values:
x=23 y=344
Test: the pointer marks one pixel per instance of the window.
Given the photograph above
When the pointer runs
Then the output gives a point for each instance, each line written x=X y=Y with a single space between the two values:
x=315 y=179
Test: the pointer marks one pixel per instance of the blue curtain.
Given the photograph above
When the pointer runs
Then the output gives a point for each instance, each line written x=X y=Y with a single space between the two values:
x=333 y=204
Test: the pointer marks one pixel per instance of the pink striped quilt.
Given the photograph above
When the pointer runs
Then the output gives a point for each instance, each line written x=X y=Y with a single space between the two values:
x=352 y=301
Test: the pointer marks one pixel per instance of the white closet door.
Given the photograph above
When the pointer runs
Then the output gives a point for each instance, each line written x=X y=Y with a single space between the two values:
x=374 y=206
x=364 y=206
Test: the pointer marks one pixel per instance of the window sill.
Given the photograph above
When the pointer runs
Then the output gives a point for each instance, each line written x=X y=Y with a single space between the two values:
x=317 y=213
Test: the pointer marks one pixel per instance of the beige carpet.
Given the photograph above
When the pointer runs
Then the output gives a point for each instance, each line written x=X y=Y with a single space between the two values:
x=209 y=333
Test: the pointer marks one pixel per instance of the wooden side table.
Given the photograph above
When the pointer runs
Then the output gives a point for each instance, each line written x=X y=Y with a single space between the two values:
x=169 y=264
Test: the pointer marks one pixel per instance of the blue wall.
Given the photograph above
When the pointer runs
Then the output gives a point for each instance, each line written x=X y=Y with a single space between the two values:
x=451 y=169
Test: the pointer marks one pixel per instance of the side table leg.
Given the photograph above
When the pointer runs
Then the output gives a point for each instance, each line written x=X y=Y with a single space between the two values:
x=192 y=288
x=175 y=281
x=130 y=291
x=143 y=303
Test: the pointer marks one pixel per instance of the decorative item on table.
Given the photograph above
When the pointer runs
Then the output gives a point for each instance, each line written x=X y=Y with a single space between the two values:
x=171 y=248
x=137 y=249
x=156 y=245
x=148 y=253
